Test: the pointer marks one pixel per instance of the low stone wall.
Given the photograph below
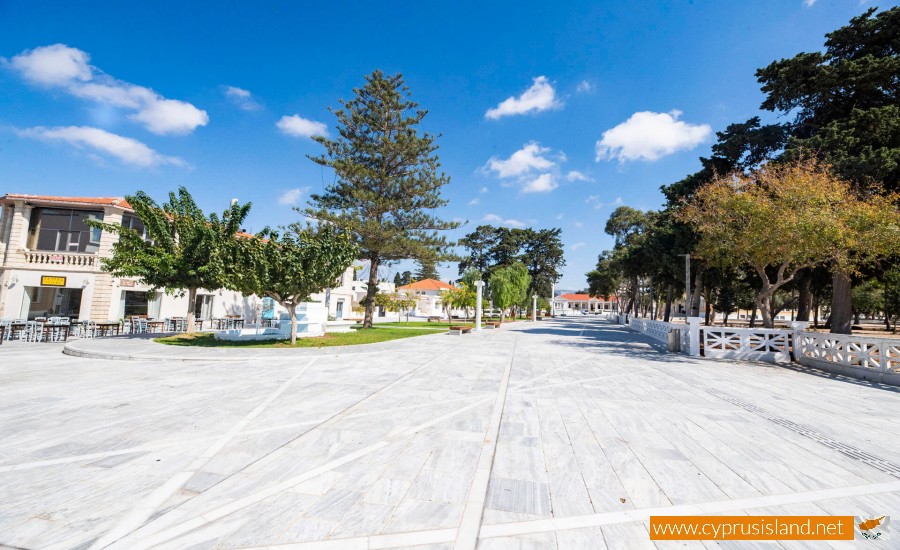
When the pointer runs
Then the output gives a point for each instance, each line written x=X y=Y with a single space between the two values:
x=874 y=359
x=747 y=344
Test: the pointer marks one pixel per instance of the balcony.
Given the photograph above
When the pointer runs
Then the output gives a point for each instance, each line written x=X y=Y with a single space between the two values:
x=66 y=260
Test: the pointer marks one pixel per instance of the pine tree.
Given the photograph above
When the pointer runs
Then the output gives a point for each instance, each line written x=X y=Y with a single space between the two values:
x=387 y=179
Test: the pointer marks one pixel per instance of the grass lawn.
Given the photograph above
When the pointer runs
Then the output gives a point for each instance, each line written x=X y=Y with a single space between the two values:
x=208 y=340
x=425 y=324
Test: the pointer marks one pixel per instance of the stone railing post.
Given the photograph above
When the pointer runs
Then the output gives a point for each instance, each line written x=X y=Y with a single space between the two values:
x=694 y=335
x=796 y=328
x=479 y=286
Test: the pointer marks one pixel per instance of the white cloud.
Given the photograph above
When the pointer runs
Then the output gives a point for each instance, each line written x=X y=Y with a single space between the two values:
x=541 y=184
x=292 y=196
x=474 y=201
x=579 y=225
x=650 y=136
x=575 y=175
x=483 y=190
x=127 y=150
x=494 y=218
x=583 y=87
x=809 y=3
x=297 y=126
x=242 y=98
x=529 y=158
x=69 y=68
x=54 y=65
x=598 y=204
x=576 y=246
x=539 y=97
x=170 y=116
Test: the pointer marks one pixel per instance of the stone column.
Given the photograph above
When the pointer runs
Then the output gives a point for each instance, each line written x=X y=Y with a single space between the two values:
x=694 y=334
x=479 y=286
x=102 y=293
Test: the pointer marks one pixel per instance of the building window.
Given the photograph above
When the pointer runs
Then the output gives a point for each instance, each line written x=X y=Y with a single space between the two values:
x=63 y=230
x=135 y=223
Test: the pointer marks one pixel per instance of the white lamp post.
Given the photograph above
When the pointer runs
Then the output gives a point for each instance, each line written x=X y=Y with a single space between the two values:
x=534 y=307
x=479 y=285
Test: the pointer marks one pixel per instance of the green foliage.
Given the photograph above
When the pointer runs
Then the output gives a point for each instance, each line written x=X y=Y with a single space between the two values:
x=184 y=249
x=868 y=298
x=844 y=100
x=291 y=265
x=509 y=286
x=891 y=296
x=489 y=248
x=427 y=269
x=387 y=178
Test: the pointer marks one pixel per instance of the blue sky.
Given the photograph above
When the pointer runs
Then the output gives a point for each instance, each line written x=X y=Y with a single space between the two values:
x=551 y=115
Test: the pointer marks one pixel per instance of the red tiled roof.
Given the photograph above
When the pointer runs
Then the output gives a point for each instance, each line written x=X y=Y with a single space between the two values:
x=586 y=297
x=104 y=201
x=428 y=284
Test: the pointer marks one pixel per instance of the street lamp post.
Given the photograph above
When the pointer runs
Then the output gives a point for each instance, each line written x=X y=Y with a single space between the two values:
x=534 y=307
x=687 y=285
x=479 y=285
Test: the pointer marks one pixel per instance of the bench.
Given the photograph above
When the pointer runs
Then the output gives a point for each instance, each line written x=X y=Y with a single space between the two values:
x=434 y=319
x=460 y=329
x=492 y=324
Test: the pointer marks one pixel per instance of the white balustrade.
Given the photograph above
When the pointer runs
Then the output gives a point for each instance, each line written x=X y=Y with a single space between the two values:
x=873 y=358
x=658 y=330
x=60 y=258
x=770 y=345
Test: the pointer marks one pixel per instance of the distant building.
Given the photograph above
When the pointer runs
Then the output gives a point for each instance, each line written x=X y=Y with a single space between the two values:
x=428 y=293
x=565 y=304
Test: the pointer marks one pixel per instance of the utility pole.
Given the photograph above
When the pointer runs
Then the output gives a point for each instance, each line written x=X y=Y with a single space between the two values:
x=688 y=303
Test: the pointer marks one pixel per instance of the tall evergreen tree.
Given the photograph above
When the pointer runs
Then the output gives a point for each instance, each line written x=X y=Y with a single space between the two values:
x=387 y=179
x=427 y=269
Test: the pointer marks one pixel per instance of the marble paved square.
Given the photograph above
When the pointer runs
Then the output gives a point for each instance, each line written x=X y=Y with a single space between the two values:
x=559 y=434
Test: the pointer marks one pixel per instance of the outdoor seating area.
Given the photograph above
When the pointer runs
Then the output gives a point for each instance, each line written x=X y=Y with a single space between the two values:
x=60 y=329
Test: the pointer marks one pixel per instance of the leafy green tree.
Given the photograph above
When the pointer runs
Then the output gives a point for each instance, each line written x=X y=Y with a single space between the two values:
x=891 y=297
x=543 y=255
x=509 y=286
x=185 y=250
x=868 y=299
x=290 y=266
x=844 y=101
x=478 y=246
x=398 y=282
x=387 y=179
x=742 y=221
x=463 y=297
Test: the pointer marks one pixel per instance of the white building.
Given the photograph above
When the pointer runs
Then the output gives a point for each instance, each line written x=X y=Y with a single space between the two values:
x=428 y=293
x=567 y=304
x=50 y=266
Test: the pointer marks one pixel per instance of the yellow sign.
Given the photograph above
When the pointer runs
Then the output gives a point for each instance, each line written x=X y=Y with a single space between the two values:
x=47 y=280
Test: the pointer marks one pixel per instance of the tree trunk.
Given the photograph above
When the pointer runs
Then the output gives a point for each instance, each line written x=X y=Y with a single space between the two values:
x=371 y=290
x=670 y=293
x=763 y=302
x=815 y=312
x=726 y=319
x=698 y=291
x=708 y=311
x=805 y=300
x=841 y=303
x=192 y=298
x=753 y=317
